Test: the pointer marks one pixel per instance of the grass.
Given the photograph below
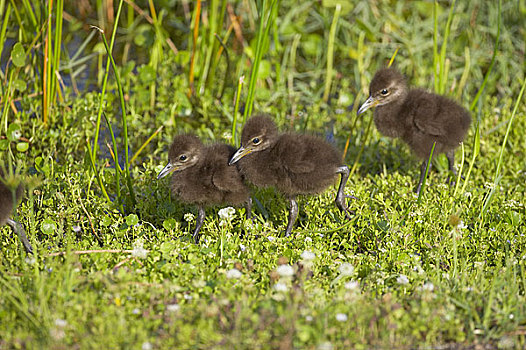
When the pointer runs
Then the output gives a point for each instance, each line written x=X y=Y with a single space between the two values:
x=442 y=270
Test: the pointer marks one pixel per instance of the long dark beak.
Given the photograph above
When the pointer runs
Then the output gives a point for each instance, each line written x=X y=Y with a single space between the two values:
x=240 y=153
x=370 y=102
x=166 y=170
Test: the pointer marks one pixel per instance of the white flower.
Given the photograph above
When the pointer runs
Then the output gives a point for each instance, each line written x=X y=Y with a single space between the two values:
x=227 y=214
x=138 y=250
x=346 y=269
x=271 y=238
x=308 y=318
x=281 y=287
x=308 y=255
x=189 y=217
x=58 y=332
x=227 y=136
x=233 y=274
x=402 y=279
x=173 y=307
x=507 y=342
x=249 y=225
x=325 y=346
x=352 y=285
x=308 y=240
x=285 y=270
x=76 y=228
x=61 y=323
x=428 y=286
x=147 y=346
x=461 y=225
x=341 y=317
x=242 y=247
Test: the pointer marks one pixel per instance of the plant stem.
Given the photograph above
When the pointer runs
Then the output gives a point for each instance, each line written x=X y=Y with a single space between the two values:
x=330 y=52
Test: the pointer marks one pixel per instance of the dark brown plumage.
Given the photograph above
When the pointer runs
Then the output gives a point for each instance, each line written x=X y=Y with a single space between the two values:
x=293 y=164
x=418 y=117
x=202 y=176
x=8 y=200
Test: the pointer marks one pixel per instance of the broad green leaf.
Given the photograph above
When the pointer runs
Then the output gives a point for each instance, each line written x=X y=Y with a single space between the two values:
x=132 y=220
x=106 y=221
x=139 y=39
x=48 y=226
x=22 y=146
x=265 y=69
x=13 y=132
x=20 y=85
x=18 y=55
x=170 y=224
x=146 y=74
x=312 y=44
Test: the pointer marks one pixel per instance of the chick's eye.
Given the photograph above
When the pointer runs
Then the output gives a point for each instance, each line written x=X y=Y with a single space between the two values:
x=256 y=140
x=183 y=158
x=384 y=92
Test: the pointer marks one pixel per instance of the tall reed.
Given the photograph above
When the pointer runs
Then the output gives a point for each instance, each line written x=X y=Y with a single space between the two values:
x=330 y=52
x=266 y=18
x=52 y=51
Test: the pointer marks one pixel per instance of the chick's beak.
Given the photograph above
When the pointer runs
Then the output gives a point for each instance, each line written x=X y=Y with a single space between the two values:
x=166 y=170
x=240 y=153
x=371 y=102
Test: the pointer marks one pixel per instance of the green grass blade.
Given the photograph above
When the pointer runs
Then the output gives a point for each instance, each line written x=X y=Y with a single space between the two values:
x=97 y=175
x=57 y=42
x=211 y=46
x=498 y=176
x=116 y=160
x=5 y=20
x=330 y=52
x=227 y=58
x=476 y=150
x=465 y=73
x=124 y=119
x=513 y=113
x=235 y=140
x=263 y=31
x=428 y=165
x=435 y=46
x=145 y=144
x=29 y=11
x=459 y=175
x=443 y=49
x=105 y=81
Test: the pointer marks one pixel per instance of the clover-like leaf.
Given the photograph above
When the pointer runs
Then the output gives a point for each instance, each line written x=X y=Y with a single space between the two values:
x=18 y=55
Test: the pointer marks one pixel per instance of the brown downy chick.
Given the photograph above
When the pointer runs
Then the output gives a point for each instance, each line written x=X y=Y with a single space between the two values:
x=418 y=117
x=294 y=164
x=202 y=176
x=8 y=200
